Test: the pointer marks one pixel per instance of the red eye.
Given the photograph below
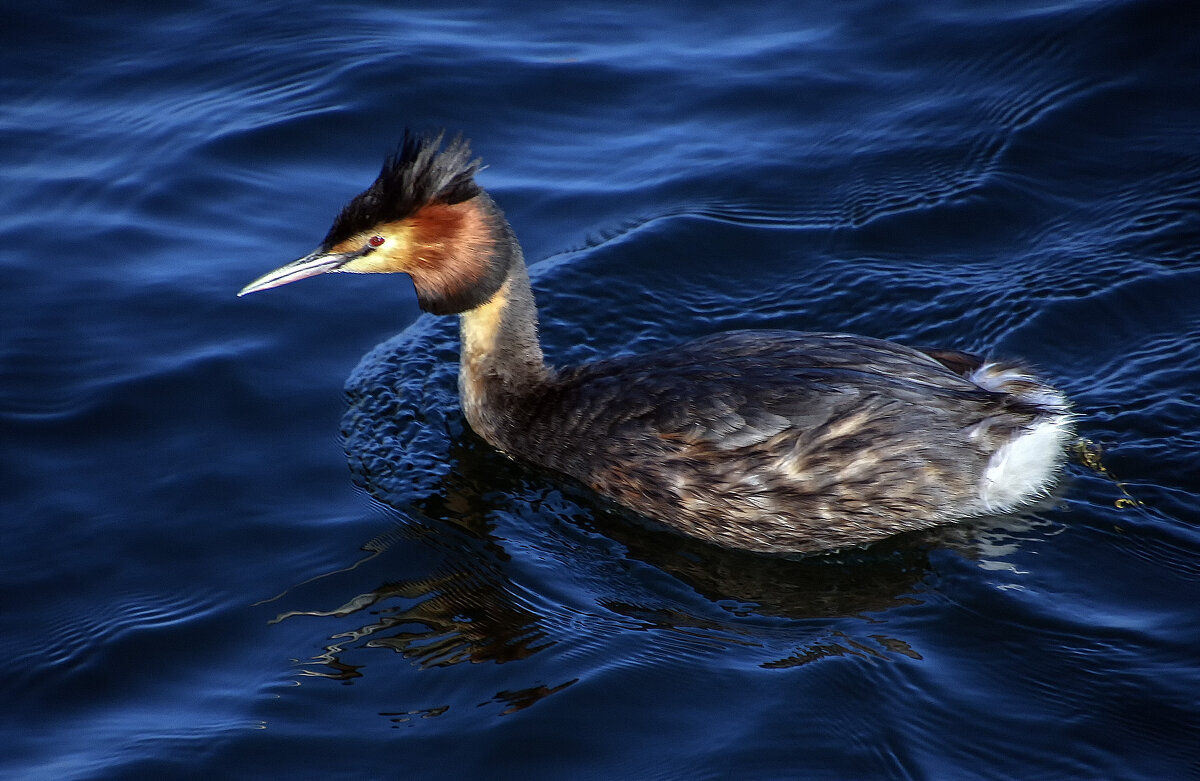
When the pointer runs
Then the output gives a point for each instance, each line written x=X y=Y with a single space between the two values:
x=375 y=241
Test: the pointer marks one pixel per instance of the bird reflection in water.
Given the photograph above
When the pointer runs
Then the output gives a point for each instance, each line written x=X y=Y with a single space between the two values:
x=469 y=607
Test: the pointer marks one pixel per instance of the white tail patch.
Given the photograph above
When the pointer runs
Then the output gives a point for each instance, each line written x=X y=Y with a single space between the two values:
x=1027 y=465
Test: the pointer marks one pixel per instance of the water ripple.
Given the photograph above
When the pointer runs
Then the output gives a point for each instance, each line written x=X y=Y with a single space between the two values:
x=76 y=642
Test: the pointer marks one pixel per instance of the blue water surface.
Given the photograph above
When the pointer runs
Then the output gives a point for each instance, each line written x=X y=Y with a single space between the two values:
x=194 y=584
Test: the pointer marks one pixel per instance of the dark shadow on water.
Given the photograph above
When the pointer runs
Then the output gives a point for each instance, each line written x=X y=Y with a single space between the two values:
x=472 y=603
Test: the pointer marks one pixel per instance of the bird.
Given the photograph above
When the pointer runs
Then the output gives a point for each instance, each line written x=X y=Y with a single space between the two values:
x=770 y=441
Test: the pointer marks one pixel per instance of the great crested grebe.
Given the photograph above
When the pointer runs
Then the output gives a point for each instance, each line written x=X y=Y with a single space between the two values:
x=771 y=441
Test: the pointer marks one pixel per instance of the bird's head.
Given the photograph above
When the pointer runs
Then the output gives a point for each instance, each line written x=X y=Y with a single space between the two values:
x=424 y=216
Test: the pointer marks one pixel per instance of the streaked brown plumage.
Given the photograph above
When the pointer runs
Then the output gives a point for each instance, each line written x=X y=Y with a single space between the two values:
x=772 y=441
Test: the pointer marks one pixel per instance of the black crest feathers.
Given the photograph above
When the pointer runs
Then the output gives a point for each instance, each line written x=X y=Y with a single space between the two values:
x=417 y=175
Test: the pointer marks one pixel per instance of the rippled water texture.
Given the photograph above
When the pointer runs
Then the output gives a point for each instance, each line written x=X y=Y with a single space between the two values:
x=194 y=585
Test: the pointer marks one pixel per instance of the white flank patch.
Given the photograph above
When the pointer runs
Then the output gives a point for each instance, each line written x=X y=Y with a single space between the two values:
x=1027 y=465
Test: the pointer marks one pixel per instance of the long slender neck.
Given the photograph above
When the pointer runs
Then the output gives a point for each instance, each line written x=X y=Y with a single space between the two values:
x=501 y=359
